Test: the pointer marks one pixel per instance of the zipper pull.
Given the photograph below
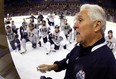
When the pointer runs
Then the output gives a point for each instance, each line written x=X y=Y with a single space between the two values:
x=77 y=58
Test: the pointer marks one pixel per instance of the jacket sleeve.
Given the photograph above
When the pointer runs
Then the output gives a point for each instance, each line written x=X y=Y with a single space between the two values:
x=62 y=65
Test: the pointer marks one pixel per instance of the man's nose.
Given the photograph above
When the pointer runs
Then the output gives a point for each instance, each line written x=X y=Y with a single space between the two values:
x=75 y=26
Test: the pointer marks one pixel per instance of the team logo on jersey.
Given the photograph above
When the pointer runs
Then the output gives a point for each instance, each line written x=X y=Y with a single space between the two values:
x=80 y=74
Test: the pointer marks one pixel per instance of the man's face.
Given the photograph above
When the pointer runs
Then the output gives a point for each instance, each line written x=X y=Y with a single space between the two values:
x=65 y=21
x=12 y=22
x=30 y=20
x=110 y=35
x=31 y=28
x=23 y=19
x=56 y=30
x=84 y=27
x=44 y=23
x=9 y=30
x=32 y=14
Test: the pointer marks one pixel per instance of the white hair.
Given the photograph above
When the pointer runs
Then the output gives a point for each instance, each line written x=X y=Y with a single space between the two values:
x=96 y=13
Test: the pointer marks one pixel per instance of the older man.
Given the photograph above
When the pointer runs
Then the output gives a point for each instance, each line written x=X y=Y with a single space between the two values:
x=90 y=58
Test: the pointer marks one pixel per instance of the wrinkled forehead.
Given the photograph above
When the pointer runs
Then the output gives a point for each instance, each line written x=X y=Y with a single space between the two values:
x=82 y=14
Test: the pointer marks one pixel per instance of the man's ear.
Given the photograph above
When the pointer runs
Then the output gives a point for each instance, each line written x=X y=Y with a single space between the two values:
x=97 y=26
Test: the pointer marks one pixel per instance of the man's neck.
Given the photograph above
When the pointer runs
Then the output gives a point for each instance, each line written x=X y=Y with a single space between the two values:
x=92 y=41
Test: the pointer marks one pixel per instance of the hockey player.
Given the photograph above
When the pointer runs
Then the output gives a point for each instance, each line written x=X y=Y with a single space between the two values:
x=14 y=29
x=43 y=31
x=32 y=33
x=57 y=38
x=24 y=36
x=8 y=19
x=50 y=19
x=67 y=30
x=62 y=17
x=24 y=22
x=40 y=16
x=32 y=17
x=31 y=23
x=23 y=30
x=111 y=41
x=38 y=24
x=12 y=37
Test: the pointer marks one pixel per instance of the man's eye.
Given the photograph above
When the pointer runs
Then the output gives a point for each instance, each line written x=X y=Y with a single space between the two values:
x=80 y=20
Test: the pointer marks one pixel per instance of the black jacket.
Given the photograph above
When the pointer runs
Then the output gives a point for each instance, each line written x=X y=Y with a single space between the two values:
x=94 y=62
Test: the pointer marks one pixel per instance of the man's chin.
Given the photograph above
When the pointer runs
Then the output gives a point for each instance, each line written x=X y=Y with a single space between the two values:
x=78 y=41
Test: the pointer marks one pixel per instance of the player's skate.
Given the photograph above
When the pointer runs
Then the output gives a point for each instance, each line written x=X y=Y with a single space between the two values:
x=23 y=51
x=52 y=50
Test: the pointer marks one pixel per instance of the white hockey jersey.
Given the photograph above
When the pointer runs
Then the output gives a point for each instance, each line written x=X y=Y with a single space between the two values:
x=111 y=43
x=43 y=31
x=66 y=29
x=33 y=33
x=59 y=38
x=10 y=36
x=8 y=18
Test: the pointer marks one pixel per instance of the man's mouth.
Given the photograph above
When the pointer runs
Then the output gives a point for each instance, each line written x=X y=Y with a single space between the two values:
x=77 y=33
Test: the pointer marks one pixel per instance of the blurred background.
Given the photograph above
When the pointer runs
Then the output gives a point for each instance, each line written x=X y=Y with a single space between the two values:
x=70 y=7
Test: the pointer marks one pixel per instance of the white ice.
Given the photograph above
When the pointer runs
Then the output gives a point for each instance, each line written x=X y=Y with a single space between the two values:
x=26 y=63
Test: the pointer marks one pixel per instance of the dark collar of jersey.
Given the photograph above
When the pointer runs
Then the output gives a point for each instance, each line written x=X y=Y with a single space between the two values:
x=87 y=50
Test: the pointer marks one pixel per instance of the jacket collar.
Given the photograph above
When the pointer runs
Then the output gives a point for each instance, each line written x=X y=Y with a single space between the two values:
x=89 y=49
